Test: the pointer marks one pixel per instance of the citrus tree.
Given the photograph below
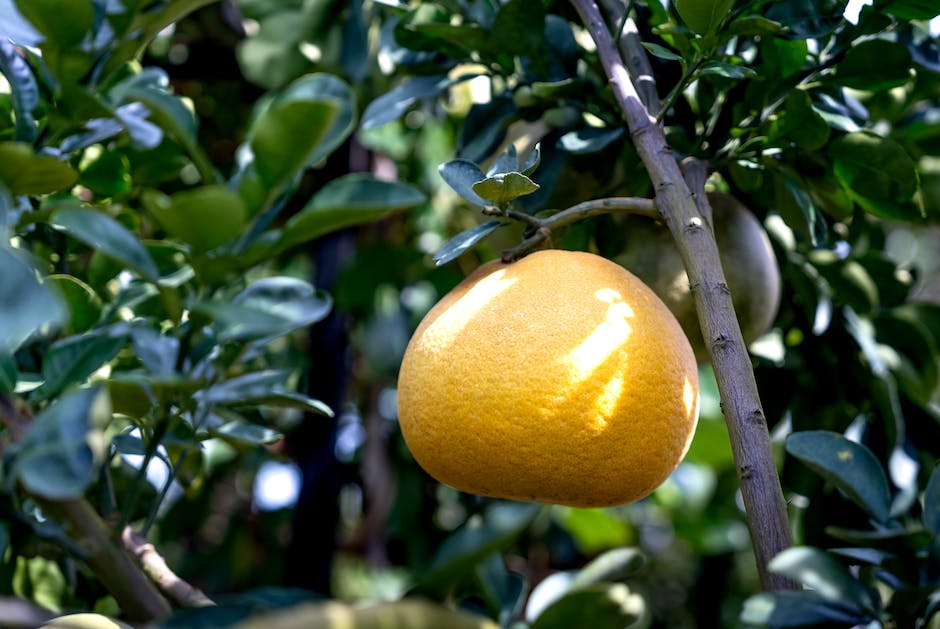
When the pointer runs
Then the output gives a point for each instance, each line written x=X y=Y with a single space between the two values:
x=768 y=168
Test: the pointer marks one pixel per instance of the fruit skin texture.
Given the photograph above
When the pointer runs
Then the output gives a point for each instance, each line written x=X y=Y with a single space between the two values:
x=747 y=259
x=559 y=378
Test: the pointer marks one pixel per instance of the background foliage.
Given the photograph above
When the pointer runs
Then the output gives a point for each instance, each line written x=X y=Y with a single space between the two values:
x=220 y=225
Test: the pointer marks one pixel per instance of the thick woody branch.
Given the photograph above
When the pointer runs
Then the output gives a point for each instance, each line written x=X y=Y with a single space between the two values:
x=750 y=440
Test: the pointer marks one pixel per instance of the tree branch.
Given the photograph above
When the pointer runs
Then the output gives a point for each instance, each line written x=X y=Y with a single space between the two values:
x=156 y=568
x=750 y=440
x=541 y=229
x=114 y=568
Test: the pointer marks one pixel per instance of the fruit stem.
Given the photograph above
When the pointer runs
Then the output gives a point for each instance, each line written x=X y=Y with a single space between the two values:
x=541 y=229
x=750 y=440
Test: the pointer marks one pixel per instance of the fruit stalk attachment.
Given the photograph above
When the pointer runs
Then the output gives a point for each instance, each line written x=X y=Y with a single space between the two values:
x=680 y=208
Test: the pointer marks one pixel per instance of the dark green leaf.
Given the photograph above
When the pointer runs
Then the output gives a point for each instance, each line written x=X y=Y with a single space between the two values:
x=108 y=175
x=815 y=222
x=74 y=358
x=60 y=455
x=910 y=352
x=83 y=303
x=704 y=16
x=27 y=306
x=822 y=573
x=248 y=386
x=129 y=444
x=157 y=352
x=802 y=123
x=661 y=51
x=519 y=28
x=727 y=70
x=460 y=175
x=326 y=88
x=502 y=523
x=103 y=233
x=270 y=307
x=64 y=23
x=504 y=590
x=152 y=88
x=504 y=187
x=806 y=19
x=203 y=218
x=350 y=200
x=288 y=399
x=600 y=606
x=245 y=432
x=848 y=465
x=875 y=65
x=797 y=609
x=394 y=103
x=589 y=140
x=931 y=514
x=8 y=373
x=22 y=171
x=909 y=9
x=464 y=241
x=877 y=171
x=25 y=89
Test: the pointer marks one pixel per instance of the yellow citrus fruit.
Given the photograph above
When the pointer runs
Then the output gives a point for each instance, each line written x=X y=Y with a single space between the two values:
x=559 y=378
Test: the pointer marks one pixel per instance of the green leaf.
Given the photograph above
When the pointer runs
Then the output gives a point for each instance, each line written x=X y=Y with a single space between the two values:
x=806 y=19
x=802 y=123
x=27 y=306
x=8 y=373
x=909 y=9
x=910 y=351
x=727 y=70
x=875 y=65
x=877 y=172
x=504 y=590
x=599 y=606
x=350 y=200
x=661 y=52
x=464 y=241
x=268 y=308
x=83 y=303
x=74 y=358
x=24 y=88
x=64 y=23
x=593 y=530
x=614 y=565
x=848 y=465
x=244 y=432
x=797 y=609
x=753 y=25
x=261 y=388
x=589 y=140
x=286 y=134
x=504 y=187
x=22 y=171
x=393 y=104
x=204 y=217
x=519 y=27
x=931 y=515
x=103 y=233
x=461 y=175
x=500 y=525
x=704 y=16
x=300 y=127
x=822 y=573
x=64 y=446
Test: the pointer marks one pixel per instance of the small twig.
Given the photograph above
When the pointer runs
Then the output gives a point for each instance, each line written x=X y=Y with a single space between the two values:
x=156 y=568
x=541 y=229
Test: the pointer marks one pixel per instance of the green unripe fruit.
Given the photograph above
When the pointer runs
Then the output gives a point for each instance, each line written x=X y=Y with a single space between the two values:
x=747 y=259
